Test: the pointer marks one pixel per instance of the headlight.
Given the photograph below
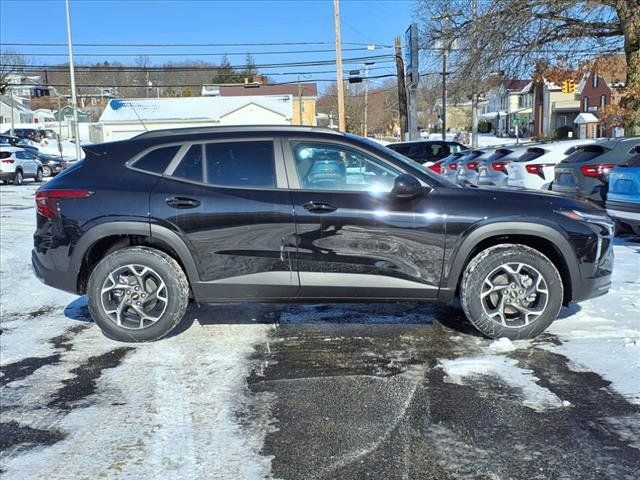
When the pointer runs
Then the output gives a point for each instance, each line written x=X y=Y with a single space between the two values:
x=598 y=219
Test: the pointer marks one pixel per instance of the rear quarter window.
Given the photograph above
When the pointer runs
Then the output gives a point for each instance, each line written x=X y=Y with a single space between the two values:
x=157 y=161
x=585 y=154
x=531 y=154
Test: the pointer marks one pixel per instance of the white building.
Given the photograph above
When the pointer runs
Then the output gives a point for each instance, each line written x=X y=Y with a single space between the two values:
x=21 y=114
x=124 y=119
x=42 y=115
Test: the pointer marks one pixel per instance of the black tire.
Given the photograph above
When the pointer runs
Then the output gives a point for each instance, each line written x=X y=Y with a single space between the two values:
x=161 y=265
x=38 y=177
x=509 y=324
x=46 y=171
x=17 y=178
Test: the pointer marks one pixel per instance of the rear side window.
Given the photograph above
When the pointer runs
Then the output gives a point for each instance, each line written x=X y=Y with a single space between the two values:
x=531 y=154
x=635 y=149
x=191 y=165
x=498 y=154
x=241 y=164
x=585 y=154
x=156 y=161
x=634 y=161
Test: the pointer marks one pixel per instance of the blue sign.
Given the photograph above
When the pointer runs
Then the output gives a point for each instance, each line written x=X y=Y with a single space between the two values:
x=411 y=55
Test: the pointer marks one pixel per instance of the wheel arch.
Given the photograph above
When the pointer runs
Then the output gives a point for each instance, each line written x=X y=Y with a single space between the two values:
x=546 y=239
x=103 y=239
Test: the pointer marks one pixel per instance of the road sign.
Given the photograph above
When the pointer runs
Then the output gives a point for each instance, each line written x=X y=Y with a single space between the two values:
x=519 y=121
x=411 y=56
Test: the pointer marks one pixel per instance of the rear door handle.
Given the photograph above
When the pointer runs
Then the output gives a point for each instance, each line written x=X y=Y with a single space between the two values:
x=319 y=207
x=183 y=202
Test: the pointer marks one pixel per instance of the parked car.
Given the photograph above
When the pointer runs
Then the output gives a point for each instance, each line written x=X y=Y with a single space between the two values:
x=449 y=167
x=437 y=166
x=16 y=164
x=580 y=174
x=534 y=169
x=227 y=214
x=50 y=165
x=492 y=171
x=427 y=151
x=468 y=166
x=28 y=133
x=623 y=196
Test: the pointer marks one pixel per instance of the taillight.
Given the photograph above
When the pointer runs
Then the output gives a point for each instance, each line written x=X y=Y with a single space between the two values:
x=473 y=165
x=500 y=166
x=8 y=161
x=453 y=166
x=436 y=167
x=537 y=168
x=596 y=171
x=47 y=200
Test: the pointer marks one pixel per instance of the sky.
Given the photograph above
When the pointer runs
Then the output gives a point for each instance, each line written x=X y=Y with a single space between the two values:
x=363 y=22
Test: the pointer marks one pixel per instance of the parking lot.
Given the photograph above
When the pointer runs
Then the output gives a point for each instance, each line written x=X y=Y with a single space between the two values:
x=313 y=391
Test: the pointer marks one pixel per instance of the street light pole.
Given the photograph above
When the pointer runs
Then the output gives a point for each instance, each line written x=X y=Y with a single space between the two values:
x=12 y=108
x=342 y=126
x=366 y=99
x=74 y=99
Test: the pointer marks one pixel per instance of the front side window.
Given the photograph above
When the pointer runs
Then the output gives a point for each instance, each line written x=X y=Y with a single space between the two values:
x=322 y=166
x=241 y=164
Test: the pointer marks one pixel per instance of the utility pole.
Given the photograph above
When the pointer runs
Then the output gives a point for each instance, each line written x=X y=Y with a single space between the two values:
x=12 y=108
x=76 y=129
x=366 y=99
x=402 y=91
x=340 y=84
x=445 y=66
x=299 y=100
x=474 y=93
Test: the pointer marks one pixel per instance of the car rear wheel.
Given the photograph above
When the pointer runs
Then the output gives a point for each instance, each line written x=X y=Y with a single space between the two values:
x=38 y=177
x=511 y=291
x=17 y=178
x=137 y=294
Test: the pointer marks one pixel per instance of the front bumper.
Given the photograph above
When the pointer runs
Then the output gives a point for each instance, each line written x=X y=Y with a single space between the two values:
x=66 y=281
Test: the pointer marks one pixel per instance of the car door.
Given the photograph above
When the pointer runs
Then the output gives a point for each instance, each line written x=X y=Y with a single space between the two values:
x=354 y=238
x=229 y=203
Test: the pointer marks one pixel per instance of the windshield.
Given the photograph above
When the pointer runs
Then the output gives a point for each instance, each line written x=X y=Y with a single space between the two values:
x=434 y=178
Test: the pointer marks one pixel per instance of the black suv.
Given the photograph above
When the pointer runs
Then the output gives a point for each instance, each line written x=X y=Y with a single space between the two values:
x=279 y=214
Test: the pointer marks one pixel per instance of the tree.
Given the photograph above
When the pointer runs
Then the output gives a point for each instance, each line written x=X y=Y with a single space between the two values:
x=513 y=36
x=10 y=63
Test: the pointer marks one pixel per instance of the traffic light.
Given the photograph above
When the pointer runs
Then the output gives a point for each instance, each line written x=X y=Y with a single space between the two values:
x=568 y=86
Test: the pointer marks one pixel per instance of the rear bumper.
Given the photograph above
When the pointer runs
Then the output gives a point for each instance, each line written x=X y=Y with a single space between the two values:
x=7 y=175
x=66 y=281
x=627 y=212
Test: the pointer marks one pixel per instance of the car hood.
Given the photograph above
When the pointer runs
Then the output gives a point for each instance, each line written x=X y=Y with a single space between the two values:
x=544 y=198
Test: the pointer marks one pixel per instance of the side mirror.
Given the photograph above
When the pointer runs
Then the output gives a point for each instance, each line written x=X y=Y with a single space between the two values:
x=406 y=186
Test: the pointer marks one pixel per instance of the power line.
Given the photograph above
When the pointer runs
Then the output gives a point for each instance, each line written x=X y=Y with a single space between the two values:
x=197 y=54
x=178 y=45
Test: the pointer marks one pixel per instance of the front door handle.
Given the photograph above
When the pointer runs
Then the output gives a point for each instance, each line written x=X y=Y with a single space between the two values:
x=183 y=202
x=319 y=207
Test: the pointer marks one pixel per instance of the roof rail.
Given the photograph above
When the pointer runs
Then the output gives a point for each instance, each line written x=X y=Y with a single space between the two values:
x=234 y=129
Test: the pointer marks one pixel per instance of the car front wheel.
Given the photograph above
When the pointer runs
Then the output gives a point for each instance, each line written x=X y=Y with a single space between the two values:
x=46 y=171
x=511 y=291
x=137 y=294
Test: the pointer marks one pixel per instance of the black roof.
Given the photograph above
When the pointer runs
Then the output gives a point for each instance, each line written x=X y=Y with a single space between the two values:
x=234 y=129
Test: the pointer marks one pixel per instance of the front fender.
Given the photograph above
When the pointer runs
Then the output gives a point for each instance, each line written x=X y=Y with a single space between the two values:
x=480 y=232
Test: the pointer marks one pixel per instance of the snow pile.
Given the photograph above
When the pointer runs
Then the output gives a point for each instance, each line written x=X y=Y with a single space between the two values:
x=463 y=370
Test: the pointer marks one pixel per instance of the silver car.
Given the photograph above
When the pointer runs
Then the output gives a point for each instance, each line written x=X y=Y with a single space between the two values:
x=449 y=169
x=492 y=171
x=468 y=167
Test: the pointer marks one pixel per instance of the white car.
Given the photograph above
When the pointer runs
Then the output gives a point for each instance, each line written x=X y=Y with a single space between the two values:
x=17 y=164
x=534 y=169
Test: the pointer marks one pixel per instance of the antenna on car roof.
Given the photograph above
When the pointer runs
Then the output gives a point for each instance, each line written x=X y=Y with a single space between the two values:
x=118 y=104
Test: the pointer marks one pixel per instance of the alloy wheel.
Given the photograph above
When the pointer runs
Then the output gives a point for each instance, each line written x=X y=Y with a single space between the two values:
x=514 y=294
x=134 y=296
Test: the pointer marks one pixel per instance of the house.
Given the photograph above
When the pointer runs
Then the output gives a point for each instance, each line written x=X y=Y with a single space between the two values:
x=27 y=86
x=66 y=113
x=596 y=93
x=42 y=115
x=458 y=115
x=304 y=96
x=15 y=110
x=124 y=119
x=509 y=100
x=552 y=108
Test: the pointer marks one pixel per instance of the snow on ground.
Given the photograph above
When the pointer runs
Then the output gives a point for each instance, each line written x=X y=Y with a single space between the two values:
x=174 y=406
x=603 y=334
x=462 y=370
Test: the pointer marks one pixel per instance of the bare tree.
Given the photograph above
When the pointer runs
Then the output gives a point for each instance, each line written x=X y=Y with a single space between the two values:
x=513 y=36
x=10 y=63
